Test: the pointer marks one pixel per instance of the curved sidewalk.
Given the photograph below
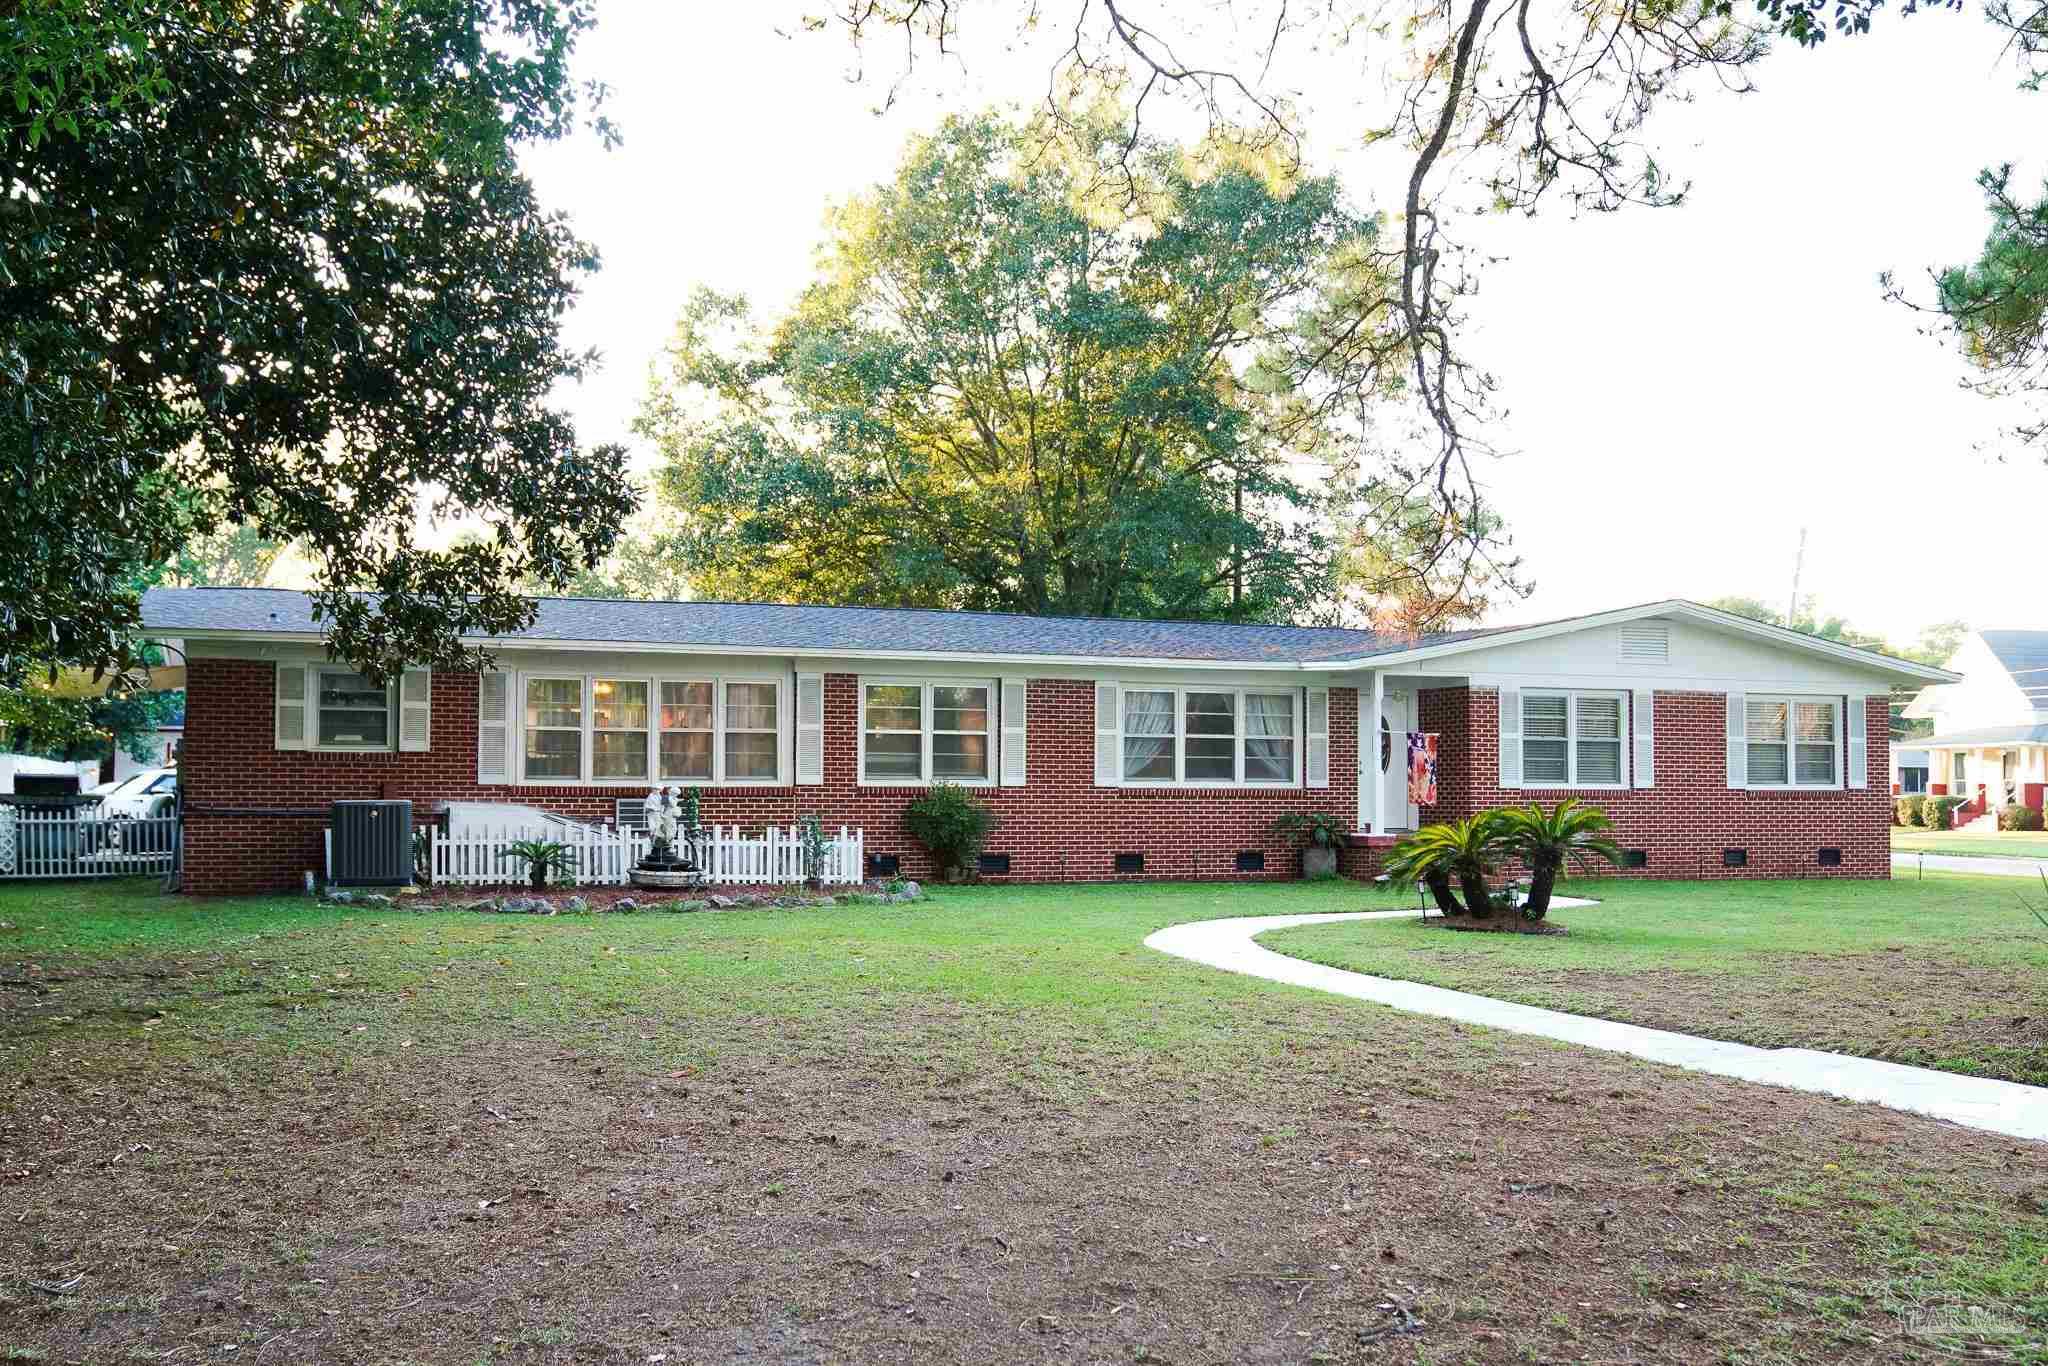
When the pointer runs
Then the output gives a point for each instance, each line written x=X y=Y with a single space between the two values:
x=1984 y=865
x=1999 y=1107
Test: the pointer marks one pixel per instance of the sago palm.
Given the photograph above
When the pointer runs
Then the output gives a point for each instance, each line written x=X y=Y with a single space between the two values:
x=1569 y=832
x=1467 y=850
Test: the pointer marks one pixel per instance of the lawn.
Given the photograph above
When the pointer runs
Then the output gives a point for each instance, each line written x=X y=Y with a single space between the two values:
x=1949 y=972
x=2004 y=844
x=990 y=1127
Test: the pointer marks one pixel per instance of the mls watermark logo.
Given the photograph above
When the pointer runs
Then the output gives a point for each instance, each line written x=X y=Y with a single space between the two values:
x=1968 y=1330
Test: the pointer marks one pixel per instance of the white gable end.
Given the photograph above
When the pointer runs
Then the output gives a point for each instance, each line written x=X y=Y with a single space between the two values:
x=1695 y=655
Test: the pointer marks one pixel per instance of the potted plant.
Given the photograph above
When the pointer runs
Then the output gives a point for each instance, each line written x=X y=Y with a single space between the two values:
x=1321 y=836
x=1546 y=841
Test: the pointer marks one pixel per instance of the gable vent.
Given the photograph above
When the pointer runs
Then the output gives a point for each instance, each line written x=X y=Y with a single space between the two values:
x=1646 y=643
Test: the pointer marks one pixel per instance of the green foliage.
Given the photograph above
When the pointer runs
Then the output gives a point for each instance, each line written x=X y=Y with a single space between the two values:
x=1937 y=813
x=1997 y=305
x=1906 y=810
x=1547 y=841
x=1317 y=828
x=1003 y=394
x=546 y=861
x=2013 y=816
x=277 y=267
x=950 y=824
x=1467 y=851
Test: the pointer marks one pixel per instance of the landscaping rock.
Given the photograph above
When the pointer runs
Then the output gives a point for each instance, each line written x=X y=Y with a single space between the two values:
x=626 y=905
x=378 y=899
x=911 y=891
x=575 y=903
x=723 y=903
x=342 y=898
x=691 y=905
x=826 y=901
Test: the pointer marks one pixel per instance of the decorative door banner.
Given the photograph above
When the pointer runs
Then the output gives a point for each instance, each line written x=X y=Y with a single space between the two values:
x=1422 y=767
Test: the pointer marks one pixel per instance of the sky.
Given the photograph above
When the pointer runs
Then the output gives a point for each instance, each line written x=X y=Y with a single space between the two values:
x=1686 y=389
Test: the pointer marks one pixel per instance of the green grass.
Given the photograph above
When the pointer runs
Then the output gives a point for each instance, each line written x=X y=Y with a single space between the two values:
x=343 y=1046
x=1934 y=971
x=2006 y=843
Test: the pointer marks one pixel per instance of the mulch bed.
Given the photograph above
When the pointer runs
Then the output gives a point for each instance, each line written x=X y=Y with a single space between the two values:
x=1501 y=922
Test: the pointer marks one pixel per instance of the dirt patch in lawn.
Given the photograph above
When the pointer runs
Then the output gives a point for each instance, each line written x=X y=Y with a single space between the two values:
x=954 y=1184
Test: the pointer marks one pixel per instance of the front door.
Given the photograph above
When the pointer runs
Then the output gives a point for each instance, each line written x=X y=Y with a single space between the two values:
x=1396 y=720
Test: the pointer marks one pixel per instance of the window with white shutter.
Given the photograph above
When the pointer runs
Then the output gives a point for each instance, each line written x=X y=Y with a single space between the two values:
x=1792 y=741
x=494 y=728
x=416 y=710
x=1016 y=707
x=1573 y=739
x=810 y=729
x=290 y=698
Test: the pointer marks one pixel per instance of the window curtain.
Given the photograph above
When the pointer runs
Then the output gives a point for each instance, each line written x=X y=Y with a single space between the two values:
x=1148 y=736
x=1269 y=738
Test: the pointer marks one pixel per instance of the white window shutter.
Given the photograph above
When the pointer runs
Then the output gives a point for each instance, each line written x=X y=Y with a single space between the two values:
x=1015 y=705
x=1738 y=739
x=810 y=729
x=1859 y=742
x=1316 y=772
x=785 y=735
x=1510 y=737
x=1109 y=740
x=494 y=728
x=295 y=719
x=1644 y=706
x=415 y=711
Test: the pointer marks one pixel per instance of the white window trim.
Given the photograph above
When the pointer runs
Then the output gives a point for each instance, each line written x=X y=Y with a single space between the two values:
x=591 y=730
x=1297 y=707
x=1571 y=740
x=718 y=684
x=715 y=732
x=583 y=717
x=782 y=717
x=391 y=718
x=925 y=731
x=1792 y=701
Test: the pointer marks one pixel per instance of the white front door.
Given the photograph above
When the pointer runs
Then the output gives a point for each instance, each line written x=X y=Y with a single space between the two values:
x=1397 y=718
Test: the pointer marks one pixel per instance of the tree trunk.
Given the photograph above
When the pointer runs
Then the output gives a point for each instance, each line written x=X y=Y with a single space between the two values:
x=1542 y=881
x=1478 y=901
x=1439 y=884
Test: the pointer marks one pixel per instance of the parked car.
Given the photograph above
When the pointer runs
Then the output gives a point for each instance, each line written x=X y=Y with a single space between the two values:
x=152 y=792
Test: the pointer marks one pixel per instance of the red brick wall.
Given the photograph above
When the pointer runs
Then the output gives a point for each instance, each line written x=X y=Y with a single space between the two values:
x=1059 y=826
x=1691 y=815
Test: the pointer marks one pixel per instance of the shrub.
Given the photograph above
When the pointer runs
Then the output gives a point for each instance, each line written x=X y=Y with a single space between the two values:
x=1936 y=812
x=2013 y=816
x=949 y=824
x=1569 y=832
x=1907 y=810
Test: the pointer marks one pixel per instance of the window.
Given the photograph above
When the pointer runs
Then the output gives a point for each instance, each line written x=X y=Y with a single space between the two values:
x=752 y=748
x=686 y=732
x=554 y=728
x=1573 y=739
x=1208 y=735
x=1793 y=741
x=633 y=731
x=918 y=732
x=354 y=712
x=1958 y=775
x=618 y=729
x=1912 y=779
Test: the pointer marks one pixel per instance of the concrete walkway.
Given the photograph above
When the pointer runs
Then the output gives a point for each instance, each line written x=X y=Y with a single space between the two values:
x=1907 y=863
x=1999 y=1107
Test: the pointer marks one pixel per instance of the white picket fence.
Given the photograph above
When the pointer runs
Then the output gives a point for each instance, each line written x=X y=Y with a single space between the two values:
x=72 y=842
x=605 y=857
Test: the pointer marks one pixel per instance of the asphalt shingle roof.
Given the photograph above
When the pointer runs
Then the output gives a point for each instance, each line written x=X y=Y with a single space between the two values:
x=2025 y=656
x=1985 y=735
x=880 y=630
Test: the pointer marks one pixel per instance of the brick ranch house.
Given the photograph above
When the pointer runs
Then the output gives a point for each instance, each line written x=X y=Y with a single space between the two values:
x=1108 y=748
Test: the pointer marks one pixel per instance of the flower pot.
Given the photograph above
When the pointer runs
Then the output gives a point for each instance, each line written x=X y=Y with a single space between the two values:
x=1318 y=860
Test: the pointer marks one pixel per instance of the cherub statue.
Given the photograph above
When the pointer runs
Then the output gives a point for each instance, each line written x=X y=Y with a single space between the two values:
x=664 y=813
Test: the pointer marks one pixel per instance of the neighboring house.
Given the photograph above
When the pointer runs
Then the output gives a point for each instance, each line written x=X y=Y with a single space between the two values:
x=1911 y=769
x=1107 y=748
x=23 y=775
x=164 y=745
x=1990 y=740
